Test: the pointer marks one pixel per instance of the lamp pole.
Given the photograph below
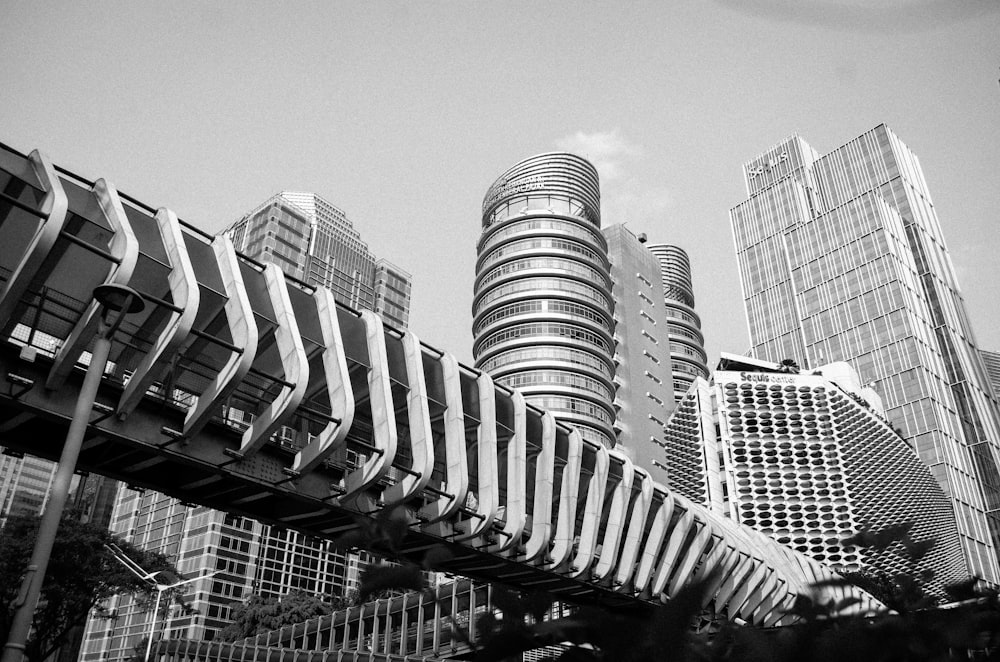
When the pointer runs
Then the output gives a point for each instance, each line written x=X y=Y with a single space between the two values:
x=160 y=588
x=116 y=301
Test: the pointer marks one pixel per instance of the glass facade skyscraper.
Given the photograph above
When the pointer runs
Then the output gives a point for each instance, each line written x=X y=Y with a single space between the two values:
x=842 y=258
x=991 y=360
x=542 y=308
x=314 y=241
x=24 y=484
x=249 y=558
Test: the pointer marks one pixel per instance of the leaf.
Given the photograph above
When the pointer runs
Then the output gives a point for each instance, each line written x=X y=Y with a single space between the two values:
x=394 y=525
x=68 y=594
x=963 y=590
x=508 y=602
x=538 y=604
x=382 y=577
x=436 y=556
x=917 y=550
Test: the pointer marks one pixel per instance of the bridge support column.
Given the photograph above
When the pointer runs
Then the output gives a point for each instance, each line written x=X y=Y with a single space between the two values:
x=117 y=300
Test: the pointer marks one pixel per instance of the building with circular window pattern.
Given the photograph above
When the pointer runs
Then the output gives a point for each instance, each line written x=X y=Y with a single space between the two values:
x=809 y=459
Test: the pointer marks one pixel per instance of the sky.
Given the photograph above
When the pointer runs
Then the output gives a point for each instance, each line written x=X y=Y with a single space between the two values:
x=403 y=113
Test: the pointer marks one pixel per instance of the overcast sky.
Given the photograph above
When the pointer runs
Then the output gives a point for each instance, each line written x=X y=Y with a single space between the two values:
x=403 y=114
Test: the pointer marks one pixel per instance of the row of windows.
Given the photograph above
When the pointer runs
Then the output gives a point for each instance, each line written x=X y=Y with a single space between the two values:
x=286 y=264
x=594 y=435
x=677 y=330
x=536 y=284
x=235 y=543
x=681 y=386
x=545 y=329
x=238 y=522
x=682 y=315
x=556 y=377
x=854 y=168
x=569 y=227
x=509 y=310
x=885 y=303
x=573 y=406
x=222 y=612
x=575 y=309
x=227 y=590
x=561 y=245
x=763 y=216
x=289 y=225
x=231 y=566
x=544 y=305
x=557 y=264
x=549 y=203
x=567 y=354
x=684 y=350
x=680 y=366
x=826 y=265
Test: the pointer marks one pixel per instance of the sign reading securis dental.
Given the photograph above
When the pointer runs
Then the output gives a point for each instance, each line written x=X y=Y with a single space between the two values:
x=759 y=377
x=514 y=186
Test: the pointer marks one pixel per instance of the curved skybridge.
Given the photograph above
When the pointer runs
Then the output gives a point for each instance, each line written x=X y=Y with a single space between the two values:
x=250 y=392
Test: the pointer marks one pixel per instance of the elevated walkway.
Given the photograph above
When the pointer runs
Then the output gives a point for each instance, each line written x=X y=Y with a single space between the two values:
x=246 y=391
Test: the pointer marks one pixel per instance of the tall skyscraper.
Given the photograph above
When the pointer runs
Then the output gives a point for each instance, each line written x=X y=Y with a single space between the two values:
x=809 y=459
x=249 y=557
x=392 y=293
x=842 y=258
x=991 y=361
x=25 y=481
x=644 y=397
x=312 y=240
x=24 y=484
x=687 y=344
x=542 y=309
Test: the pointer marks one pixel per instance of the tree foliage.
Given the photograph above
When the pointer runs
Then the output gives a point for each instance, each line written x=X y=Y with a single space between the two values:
x=259 y=614
x=81 y=573
x=915 y=627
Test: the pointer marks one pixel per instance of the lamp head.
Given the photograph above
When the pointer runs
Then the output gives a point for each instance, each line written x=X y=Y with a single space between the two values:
x=119 y=298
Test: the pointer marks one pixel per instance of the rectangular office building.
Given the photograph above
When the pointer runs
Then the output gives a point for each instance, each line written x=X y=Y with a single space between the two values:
x=842 y=258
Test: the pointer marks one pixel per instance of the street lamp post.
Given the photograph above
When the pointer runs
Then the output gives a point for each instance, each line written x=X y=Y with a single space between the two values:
x=147 y=577
x=160 y=588
x=116 y=302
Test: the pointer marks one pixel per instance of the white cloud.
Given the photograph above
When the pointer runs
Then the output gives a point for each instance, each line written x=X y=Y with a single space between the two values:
x=624 y=197
x=607 y=150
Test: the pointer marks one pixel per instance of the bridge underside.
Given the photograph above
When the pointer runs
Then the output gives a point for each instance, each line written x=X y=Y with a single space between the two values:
x=201 y=472
x=250 y=392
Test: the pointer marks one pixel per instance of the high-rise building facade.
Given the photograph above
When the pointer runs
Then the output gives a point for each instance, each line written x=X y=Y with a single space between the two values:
x=309 y=239
x=392 y=293
x=809 y=459
x=687 y=344
x=24 y=484
x=842 y=258
x=991 y=361
x=314 y=241
x=542 y=309
x=25 y=481
x=249 y=558
x=644 y=395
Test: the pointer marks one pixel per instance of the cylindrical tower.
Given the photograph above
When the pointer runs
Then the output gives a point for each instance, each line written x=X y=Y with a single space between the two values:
x=687 y=345
x=542 y=308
